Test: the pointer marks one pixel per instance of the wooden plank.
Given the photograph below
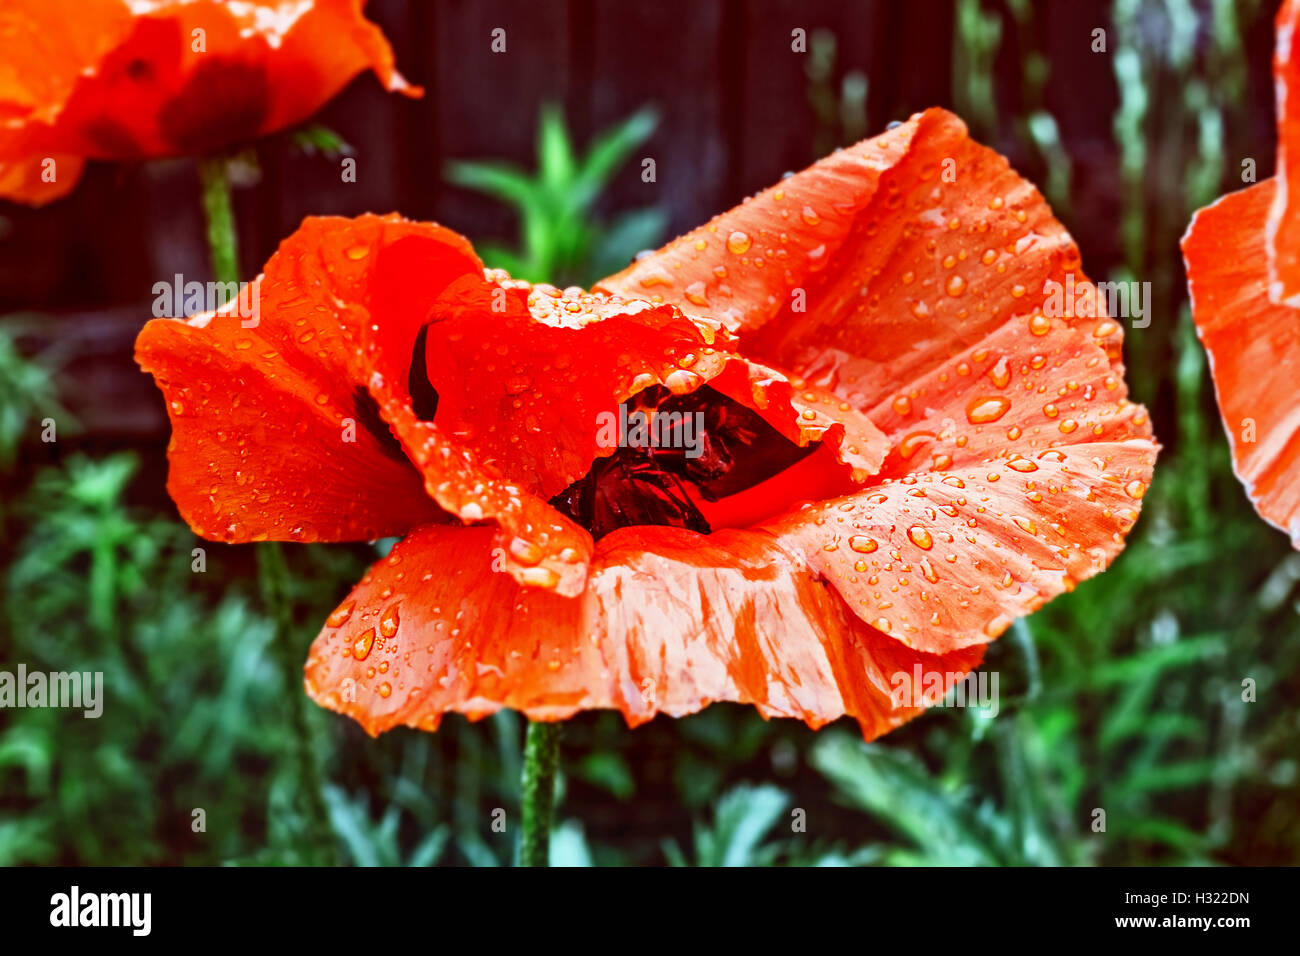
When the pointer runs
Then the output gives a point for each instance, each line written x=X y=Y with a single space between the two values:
x=780 y=132
x=650 y=53
x=378 y=125
x=487 y=102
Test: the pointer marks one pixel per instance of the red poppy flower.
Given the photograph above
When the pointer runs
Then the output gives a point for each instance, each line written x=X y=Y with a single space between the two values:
x=112 y=79
x=1243 y=273
x=896 y=452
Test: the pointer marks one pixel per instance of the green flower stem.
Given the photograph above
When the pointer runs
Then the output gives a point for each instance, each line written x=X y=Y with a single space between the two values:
x=220 y=216
x=272 y=571
x=541 y=761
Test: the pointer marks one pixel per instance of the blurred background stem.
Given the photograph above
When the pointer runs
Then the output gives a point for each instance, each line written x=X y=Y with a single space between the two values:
x=219 y=214
x=272 y=570
x=541 y=760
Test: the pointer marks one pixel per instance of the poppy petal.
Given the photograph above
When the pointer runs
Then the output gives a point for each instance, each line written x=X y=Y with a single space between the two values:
x=944 y=561
x=1283 y=222
x=45 y=47
x=101 y=79
x=670 y=621
x=546 y=365
x=1254 y=347
x=875 y=265
x=763 y=258
x=273 y=432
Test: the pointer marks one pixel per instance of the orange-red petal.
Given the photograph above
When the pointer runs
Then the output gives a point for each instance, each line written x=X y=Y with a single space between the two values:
x=1283 y=221
x=879 y=263
x=947 y=560
x=1254 y=349
x=524 y=374
x=670 y=621
x=273 y=435
x=105 y=79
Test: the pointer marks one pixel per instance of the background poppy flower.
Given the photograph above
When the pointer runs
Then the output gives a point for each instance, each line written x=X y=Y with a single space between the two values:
x=867 y=334
x=1243 y=273
x=108 y=79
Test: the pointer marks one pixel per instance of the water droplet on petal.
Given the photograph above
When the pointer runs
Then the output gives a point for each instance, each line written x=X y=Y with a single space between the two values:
x=928 y=570
x=524 y=551
x=1000 y=374
x=539 y=577
x=362 y=645
x=981 y=411
x=912 y=443
x=681 y=382
x=341 y=614
x=862 y=544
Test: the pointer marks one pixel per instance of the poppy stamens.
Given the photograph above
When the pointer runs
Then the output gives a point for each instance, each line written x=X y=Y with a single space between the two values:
x=661 y=484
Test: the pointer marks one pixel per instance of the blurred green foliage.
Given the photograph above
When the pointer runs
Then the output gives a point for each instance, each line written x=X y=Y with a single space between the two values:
x=1125 y=696
x=562 y=242
x=840 y=113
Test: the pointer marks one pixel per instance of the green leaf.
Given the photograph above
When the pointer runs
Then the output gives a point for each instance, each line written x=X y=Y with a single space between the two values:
x=742 y=819
x=609 y=151
x=569 y=845
x=317 y=138
x=499 y=180
x=893 y=787
x=555 y=156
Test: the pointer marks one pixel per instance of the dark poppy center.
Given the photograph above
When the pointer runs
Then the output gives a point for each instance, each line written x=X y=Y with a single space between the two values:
x=424 y=400
x=702 y=445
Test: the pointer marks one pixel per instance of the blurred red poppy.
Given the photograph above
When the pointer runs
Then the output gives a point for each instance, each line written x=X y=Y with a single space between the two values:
x=1243 y=273
x=888 y=451
x=112 y=79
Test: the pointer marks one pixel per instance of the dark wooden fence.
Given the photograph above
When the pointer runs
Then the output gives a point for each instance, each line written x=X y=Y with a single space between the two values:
x=735 y=114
